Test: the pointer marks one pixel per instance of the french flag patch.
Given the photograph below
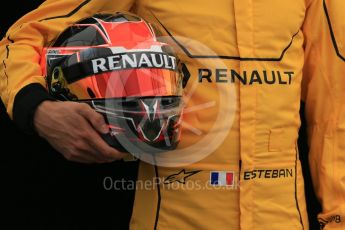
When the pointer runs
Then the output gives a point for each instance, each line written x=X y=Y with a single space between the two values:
x=222 y=178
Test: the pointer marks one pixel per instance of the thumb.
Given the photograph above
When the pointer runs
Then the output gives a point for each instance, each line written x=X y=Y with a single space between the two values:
x=96 y=119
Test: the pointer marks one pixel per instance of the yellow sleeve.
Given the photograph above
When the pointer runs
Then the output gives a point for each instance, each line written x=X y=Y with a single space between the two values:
x=323 y=91
x=21 y=80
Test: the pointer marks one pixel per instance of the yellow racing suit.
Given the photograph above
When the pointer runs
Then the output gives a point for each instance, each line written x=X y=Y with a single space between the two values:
x=252 y=59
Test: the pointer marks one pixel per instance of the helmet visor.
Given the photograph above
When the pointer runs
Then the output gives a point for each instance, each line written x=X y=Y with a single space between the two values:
x=129 y=83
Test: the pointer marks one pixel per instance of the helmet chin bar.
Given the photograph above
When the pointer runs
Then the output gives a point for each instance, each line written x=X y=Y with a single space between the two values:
x=151 y=126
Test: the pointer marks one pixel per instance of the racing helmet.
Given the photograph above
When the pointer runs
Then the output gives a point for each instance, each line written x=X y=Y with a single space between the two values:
x=117 y=64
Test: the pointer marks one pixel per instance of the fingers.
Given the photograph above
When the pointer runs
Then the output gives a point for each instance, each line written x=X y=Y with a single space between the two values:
x=95 y=119
x=83 y=158
x=103 y=149
x=100 y=147
x=97 y=147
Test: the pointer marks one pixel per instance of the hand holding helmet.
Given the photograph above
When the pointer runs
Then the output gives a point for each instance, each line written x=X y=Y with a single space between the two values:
x=73 y=130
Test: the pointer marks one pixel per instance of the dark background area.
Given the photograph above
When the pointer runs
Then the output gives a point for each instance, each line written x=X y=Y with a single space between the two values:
x=40 y=189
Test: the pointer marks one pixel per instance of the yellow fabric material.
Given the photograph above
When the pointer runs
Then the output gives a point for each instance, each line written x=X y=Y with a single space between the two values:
x=301 y=41
x=324 y=94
